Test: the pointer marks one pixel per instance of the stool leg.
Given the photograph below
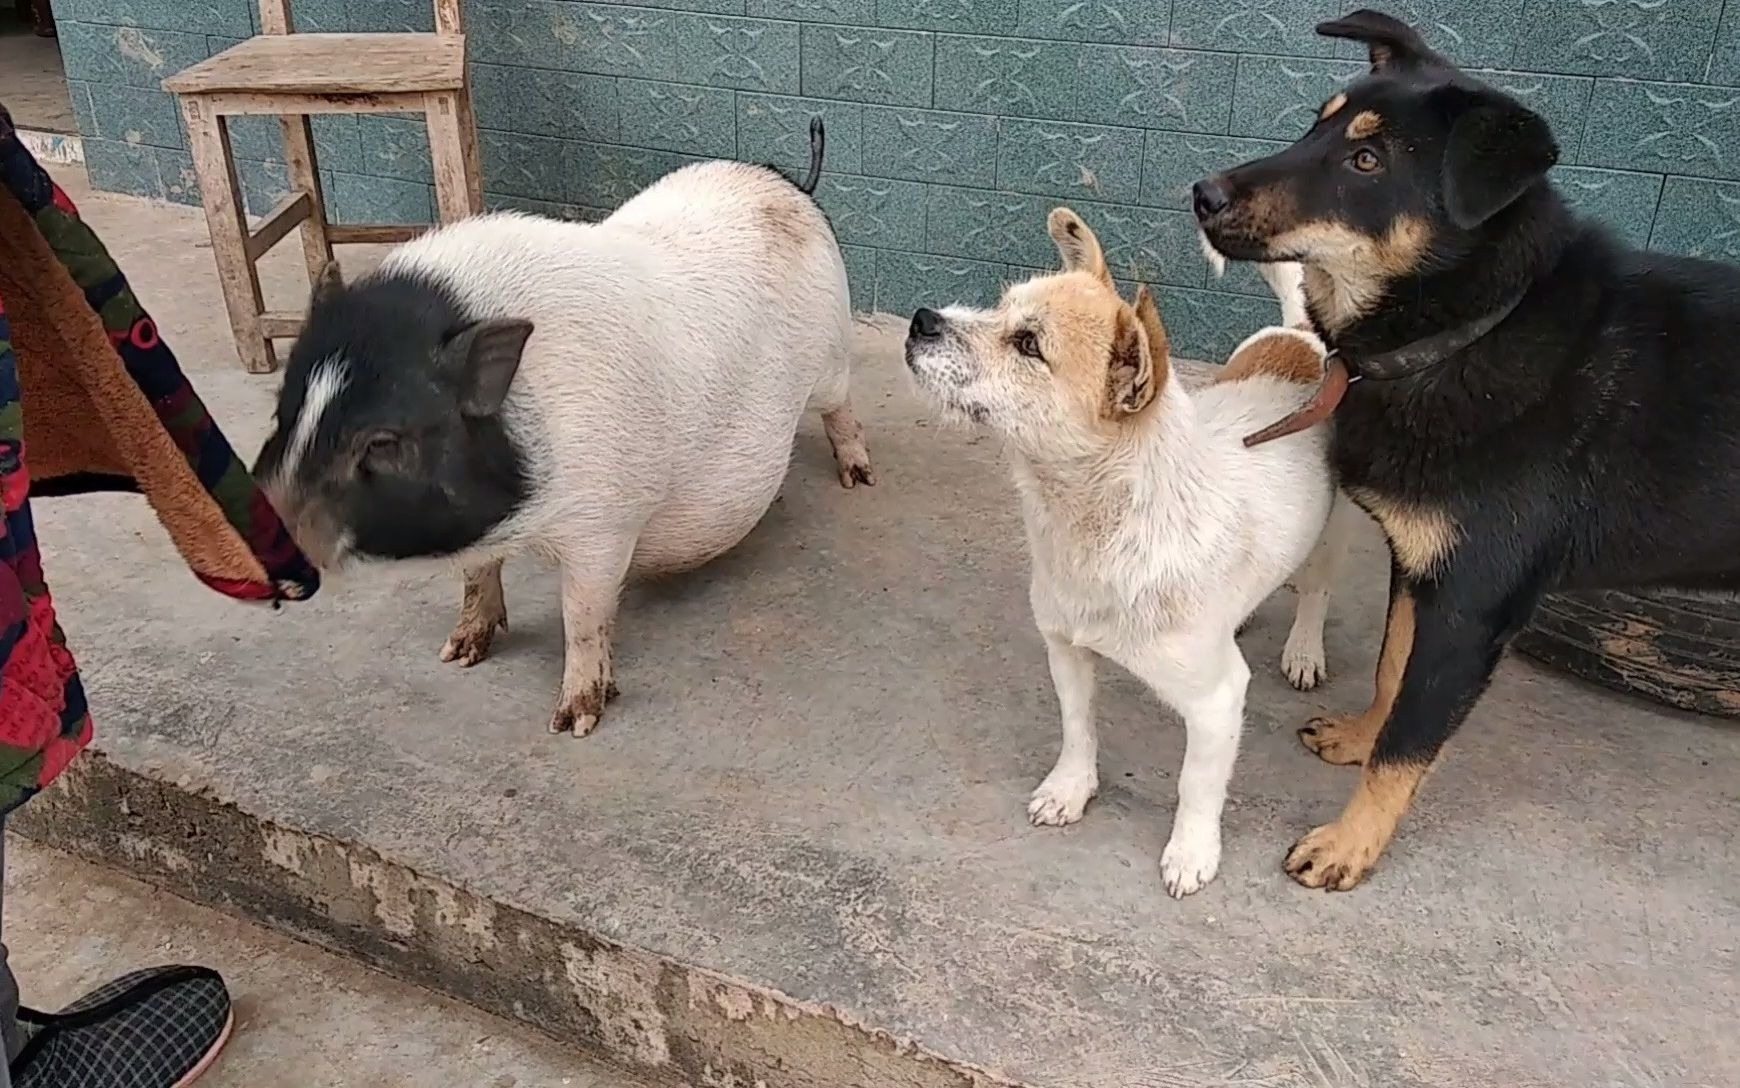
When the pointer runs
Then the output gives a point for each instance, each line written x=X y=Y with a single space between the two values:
x=226 y=218
x=458 y=189
x=305 y=177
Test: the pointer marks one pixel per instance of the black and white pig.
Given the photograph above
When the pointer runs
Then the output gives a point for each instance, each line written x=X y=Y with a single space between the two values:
x=621 y=397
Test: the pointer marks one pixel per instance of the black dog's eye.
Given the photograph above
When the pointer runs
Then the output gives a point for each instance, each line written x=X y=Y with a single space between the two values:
x=1028 y=344
x=1365 y=160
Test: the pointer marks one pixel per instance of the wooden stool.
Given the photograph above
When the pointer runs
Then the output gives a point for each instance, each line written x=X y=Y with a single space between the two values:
x=292 y=76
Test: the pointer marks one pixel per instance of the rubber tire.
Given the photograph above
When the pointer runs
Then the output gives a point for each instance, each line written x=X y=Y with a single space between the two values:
x=1674 y=648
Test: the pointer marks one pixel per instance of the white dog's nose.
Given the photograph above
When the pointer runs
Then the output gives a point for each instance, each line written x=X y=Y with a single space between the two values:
x=926 y=325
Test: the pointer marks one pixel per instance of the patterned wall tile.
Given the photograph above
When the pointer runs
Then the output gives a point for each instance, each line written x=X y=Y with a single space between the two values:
x=860 y=12
x=338 y=143
x=545 y=103
x=709 y=7
x=356 y=198
x=122 y=167
x=1698 y=218
x=887 y=67
x=391 y=16
x=521 y=165
x=1174 y=161
x=516 y=32
x=610 y=40
x=229 y=17
x=550 y=209
x=860 y=275
x=1643 y=39
x=676 y=117
x=603 y=176
x=316 y=16
x=1208 y=325
x=127 y=55
x=1006 y=76
x=1673 y=128
x=1725 y=57
x=985 y=226
x=1562 y=100
x=754 y=54
x=954 y=16
x=930 y=145
x=135 y=115
x=874 y=211
x=1278 y=98
x=907 y=281
x=775 y=130
x=1242 y=278
x=176 y=175
x=1070 y=161
x=1255 y=26
x=1623 y=200
x=1474 y=33
x=392 y=147
x=265 y=185
x=1130 y=22
x=79 y=95
x=1155 y=88
x=1145 y=244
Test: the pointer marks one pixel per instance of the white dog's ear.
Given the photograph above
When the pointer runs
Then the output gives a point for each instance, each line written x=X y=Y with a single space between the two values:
x=1148 y=313
x=1077 y=245
x=1132 y=377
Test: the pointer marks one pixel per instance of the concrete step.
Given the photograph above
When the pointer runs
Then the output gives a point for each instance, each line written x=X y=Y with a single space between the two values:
x=795 y=851
x=305 y=1018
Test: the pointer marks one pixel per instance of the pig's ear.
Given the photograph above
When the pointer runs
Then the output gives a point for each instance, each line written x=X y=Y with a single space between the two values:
x=482 y=360
x=328 y=285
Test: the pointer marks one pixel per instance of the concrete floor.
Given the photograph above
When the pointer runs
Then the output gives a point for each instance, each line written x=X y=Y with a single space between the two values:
x=304 y=1018
x=32 y=79
x=814 y=783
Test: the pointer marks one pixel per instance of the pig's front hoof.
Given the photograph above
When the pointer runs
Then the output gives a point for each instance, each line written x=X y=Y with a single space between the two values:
x=469 y=643
x=579 y=715
x=853 y=473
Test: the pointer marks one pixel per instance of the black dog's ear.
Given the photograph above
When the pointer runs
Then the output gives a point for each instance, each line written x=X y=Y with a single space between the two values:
x=1391 y=43
x=1497 y=149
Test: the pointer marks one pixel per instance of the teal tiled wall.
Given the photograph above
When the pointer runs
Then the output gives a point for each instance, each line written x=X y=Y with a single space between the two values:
x=954 y=125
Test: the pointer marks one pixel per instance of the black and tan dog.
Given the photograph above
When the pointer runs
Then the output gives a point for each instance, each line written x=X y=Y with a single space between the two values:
x=1533 y=406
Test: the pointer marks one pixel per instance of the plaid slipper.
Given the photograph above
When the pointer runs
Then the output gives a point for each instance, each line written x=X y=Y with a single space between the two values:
x=157 y=1028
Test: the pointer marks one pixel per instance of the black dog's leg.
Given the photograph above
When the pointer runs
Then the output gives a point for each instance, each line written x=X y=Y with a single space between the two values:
x=1348 y=739
x=1459 y=626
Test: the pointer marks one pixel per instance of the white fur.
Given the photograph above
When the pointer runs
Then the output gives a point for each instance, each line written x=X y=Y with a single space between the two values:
x=325 y=384
x=1151 y=544
x=675 y=347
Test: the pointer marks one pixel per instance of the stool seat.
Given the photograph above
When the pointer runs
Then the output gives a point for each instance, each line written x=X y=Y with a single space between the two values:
x=330 y=64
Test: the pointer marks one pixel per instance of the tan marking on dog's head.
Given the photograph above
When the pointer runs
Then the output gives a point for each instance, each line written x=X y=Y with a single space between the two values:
x=1291 y=355
x=1332 y=107
x=1420 y=537
x=1076 y=244
x=1061 y=359
x=1365 y=125
x=1347 y=271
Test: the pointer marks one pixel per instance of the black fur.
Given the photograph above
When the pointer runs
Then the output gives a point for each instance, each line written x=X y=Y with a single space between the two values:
x=1592 y=439
x=411 y=458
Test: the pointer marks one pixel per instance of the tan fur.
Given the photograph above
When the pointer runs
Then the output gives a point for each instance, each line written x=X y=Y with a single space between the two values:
x=1076 y=244
x=1420 y=537
x=1332 y=107
x=1148 y=313
x=1349 y=740
x=1278 y=354
x=1365 y=125
x=1346 y=271
x=1339 y=855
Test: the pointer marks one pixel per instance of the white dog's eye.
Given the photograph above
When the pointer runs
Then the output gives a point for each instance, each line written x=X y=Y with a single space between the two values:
x=1028 y=344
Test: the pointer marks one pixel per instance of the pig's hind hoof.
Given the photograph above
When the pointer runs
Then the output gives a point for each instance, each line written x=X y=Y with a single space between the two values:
x=857 y=472
x=579 y=716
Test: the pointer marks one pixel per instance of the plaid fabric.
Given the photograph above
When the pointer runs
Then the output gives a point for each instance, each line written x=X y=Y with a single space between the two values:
x=151 y=1029
x=43 y=718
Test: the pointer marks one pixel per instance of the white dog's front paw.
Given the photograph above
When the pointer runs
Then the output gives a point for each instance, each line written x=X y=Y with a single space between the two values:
x=1062 y=797
x=1302 y=660
x=1190 y=861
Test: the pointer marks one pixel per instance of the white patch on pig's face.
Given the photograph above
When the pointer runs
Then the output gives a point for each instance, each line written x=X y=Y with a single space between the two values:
x=330 y=377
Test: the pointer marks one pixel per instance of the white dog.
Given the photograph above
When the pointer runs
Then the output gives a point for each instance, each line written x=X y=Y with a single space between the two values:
x=1154 y=532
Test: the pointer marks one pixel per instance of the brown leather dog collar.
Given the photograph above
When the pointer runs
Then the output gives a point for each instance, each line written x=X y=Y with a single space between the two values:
x=1413 y=358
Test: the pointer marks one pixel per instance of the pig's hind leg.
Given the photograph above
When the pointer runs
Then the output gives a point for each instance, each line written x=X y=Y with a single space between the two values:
x=482 y=610
x=833 y=398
